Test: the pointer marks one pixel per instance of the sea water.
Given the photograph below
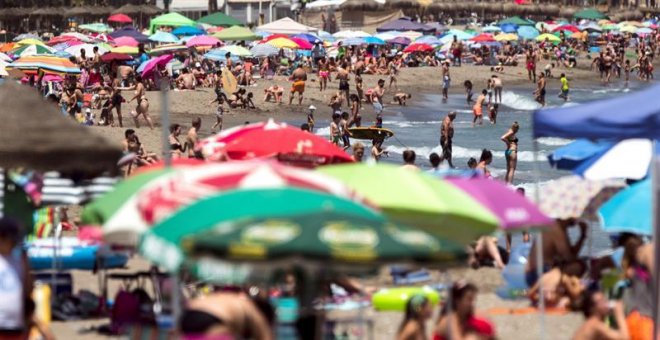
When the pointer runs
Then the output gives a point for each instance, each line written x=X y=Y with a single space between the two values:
x=417 y=127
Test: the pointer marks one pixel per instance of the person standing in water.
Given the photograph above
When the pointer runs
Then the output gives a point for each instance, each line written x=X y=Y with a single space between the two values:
x=485 y=160
x=539 y=94
x=477 y=109
x=335 y=131
x=446 y=136
x=564 y=87
x=497 y=88
x=511 y=152
x=446 y=80
x=468 y=91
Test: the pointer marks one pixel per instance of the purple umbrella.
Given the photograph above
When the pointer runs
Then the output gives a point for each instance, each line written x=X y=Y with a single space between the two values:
x=405 y=24
x=514 y=211
x=129 y=32
x=157 y=61
x=400 y=41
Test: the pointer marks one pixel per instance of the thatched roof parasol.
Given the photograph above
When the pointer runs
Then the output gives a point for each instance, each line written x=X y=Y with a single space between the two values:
x=101 y=10
x=78 y=11
x=39 y=137
x=361 y=5
x=128 y=9
x=494 y=8
x=550 y=10
x=48 y=11
x=567 y=12
x=402 y=4
x=438 y=6
x=510 y=9
x=150 y=10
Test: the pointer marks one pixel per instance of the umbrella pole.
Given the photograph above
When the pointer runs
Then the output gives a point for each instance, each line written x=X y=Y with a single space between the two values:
x=656 y=244
x=539 y=247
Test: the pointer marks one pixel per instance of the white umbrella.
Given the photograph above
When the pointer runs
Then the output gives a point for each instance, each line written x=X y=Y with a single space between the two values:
x=3 y=72
x=351 y=34
x=89 y=50
x=629 y=159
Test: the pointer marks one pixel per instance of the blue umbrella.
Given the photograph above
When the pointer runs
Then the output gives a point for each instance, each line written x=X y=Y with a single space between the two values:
x=427 y=39
x=163 y=37
x=629 y=210
x=491 y=29
x=528 y=32
x=352 y=42
x=306 y=36
x=570 y=156
x=373 y=41
x=264 y=50
x=143 y=65
x=26 y=36
x=509 y=28
x=188 y=30
x=460 y=35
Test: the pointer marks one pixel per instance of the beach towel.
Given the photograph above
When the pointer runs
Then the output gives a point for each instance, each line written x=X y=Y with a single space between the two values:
x=525 y=310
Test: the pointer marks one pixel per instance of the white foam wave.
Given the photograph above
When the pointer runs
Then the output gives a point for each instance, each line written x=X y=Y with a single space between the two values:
x=324 y=131
x=459 y=152
x=519 y=102
x=554 y=141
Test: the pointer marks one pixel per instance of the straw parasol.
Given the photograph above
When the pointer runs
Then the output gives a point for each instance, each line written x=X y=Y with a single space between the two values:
x=567 y=12
x=438 y=6
x=48 y=11
x=509 y=9
x=150 y=10
x=41 y=138
x=78 y=11
x=128 y=9
x=550 y=10
x=101 y=10
x=361 y=5
x=403 y=4
x=494 y=8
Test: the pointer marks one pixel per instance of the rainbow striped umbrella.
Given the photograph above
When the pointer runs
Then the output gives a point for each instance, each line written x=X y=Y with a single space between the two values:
x=169 y=48
x=27 y=50
x=46 y=63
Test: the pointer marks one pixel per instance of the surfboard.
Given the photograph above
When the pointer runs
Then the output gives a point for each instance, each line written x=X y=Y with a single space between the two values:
x=229 y=83
x=370 y=133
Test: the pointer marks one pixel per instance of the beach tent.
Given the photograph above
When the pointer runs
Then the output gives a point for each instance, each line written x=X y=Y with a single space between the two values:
x=236 y=33
x=129 y=32
x=286 y=26
x=589 y=14
x=170 y=19
x=219 y=19
x=516 y=20
x=405 y=24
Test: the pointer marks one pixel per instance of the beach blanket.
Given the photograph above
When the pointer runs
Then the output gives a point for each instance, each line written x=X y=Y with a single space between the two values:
x=525 y=310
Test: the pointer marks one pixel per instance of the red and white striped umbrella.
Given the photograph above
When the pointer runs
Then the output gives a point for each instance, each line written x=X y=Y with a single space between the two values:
x=184 y=187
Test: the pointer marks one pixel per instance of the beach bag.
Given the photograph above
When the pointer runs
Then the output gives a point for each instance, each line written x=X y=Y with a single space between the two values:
x=125 y=312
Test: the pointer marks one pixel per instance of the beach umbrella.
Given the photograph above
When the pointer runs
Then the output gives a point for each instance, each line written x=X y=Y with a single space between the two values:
x=102 y=38
x=527 y=32
x=89 y=50
x=30 y=41
x=513 y=210
x=110 y=57
x=307 y=36
x=27 y=50
x=31 y=64
x=164 y=37
x=236 y=33
x=389 y=35
x=168 y=48
x=188 y=31
x=273 y=36
x=491 y=29
x=285 y=143
x=415 y=47
x=630 y=210
x=3 y=70
x=120 y=18
x=350 y=34
x=318 y=227
x=235 y=50
x=644 y=30
x=61 y=39
x=510 y=28
x=203 y=40
x=264 y=50
x=412 y=35
x=302 y=43
x=126 y=50
x=352 y=42
x=152 y=64
x=78 y=36
x=418 y=200
x=589 y=14
x=373 y=41
x=399 y=41
x=483 y=37
x=628 y=159
x=168 y=194
x=219 y=19
x=570 y=28
x=283 y=43
x=428 y=39
x=4 y=57
x=571 y=155
x=549 y=37
x=576 y=197
x=6 y=47
x=96 y=27
x=506 y=37
x=628 y=29
x=131 y=33
x=26 y=36
x=126 y=41
x=516 y=20
x=460 y=35
x=171 y=19
x=591 y=27
x=41 y=137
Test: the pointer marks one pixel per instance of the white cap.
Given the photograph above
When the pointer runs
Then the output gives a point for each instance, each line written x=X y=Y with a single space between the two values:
x=197 y=64
x=88 y=110
x=312 y=108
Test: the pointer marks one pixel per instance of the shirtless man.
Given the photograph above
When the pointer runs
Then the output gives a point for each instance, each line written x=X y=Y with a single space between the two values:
x=298 y=77
x=446 y=80
x=275 y=92
x=186 y=80
x=377 y=96
x=125 y=73
x=115 y=100
x=142 y=107
x=477 y=109
x=607 y=66
x=596 y=309
x=497 y=88
x=557 y=249
x=192 y=138
x=199 y=75
x=343 y=77
x=446 y=136
x=539 y=93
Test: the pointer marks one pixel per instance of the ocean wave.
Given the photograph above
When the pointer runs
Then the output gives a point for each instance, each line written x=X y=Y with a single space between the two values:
x=459 y=152
x=554 y=141
x=519 y=102
x=324 y=131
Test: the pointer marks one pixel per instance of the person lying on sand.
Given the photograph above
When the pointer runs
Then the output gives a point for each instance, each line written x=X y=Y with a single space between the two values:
x=561 y=288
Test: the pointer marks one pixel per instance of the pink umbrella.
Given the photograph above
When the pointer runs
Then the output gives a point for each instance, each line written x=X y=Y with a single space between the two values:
x=120 y=18
x=202 y=40
x=304 y=44
x=514 y=211
x=158 y=61
x=126 y=41
x=103 y=37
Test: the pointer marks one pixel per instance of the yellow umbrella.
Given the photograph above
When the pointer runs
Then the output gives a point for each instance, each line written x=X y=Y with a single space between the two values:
x=579 y=35
x=634 y=23
x=125 y=50
x=604 y=22
x=549 y=37
x=628 y=29
x=424 y=3
x=283 y=43
x=506 y=37
x=31 y=41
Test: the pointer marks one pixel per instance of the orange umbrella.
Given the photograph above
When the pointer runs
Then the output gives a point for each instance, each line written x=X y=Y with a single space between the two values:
x=7 y=47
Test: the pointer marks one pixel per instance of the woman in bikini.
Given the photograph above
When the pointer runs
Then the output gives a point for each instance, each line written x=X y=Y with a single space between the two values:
x=142 y=107
x=324 y=73
x=511 y=152
x=176 y=149
x=485 y=160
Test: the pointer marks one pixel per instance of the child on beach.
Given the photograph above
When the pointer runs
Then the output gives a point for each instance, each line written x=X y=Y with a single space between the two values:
x=219 y=113
x=401 y=97
x=345 y=133
x=626 y=71
x=492 y=113
x=310 y=120
x=335 y=132
x=359 y=87
x=468 y=91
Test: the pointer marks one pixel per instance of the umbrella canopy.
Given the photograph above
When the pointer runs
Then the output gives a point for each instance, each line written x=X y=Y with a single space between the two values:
x=167 y=194
x=88 y=48
x=630 y=210
x=418 y=200
x=126 y=41
x=283 y=43
x=483 y=37
x=188 y=31
x=32 y=64
x=575 y=197
x=264 y=50
x=589 y=14
x=4 y=57
x=164 y=37
x=97 y=27
x=567 y=27
x=169 y=48
x=571 y=155
x=170 y=19
x=400 y=41
x=491 y=29
x=307 y=36
x=528 y=32
x=219 y=19
x=629 y=159
x=236 y=33
x=514 y=211
x=415 y=47
x=516 y=20
x=61 y=39
x=346 y=34
x=373 y=41
x=120 y=18
x=235 y=50
x=129 y=32
x=460 y=35
x=302 y=43
x=24 y=36
x=110 y=57
x=203 y=40
x=152 y=64
x=506 y=37
x=286 y=26
x=548 y=37
x=44 y=141
x=510 y=28
x=30 y=41
x=286 y=143
x=427 y=39
x=126 y=50
x=28 y=50
x=405 y=24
